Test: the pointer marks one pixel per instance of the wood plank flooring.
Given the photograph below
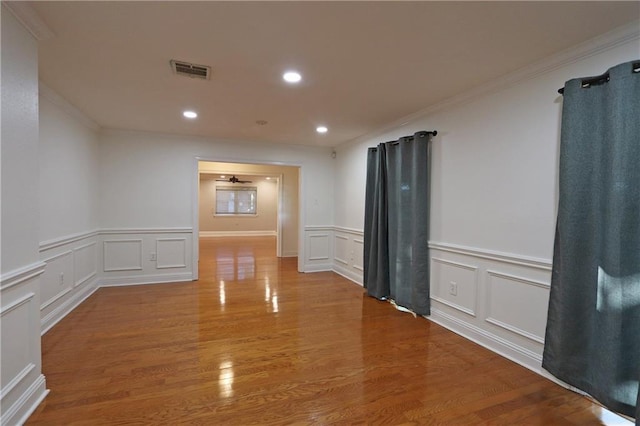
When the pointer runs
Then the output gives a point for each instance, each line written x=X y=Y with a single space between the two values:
x=255 y=342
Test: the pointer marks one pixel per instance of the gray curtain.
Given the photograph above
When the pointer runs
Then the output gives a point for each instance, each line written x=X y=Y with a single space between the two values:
x=593 y=327
x=396 y=234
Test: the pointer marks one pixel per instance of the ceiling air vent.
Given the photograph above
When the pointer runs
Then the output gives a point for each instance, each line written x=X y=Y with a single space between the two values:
x=191 y=70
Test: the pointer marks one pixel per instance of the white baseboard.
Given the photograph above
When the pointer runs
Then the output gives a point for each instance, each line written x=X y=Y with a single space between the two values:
x=53 y=317
x=321 y=267
x=237 y=234
x=350 y=275
x=145 y=279
x=289 y=254
x=509 y=350
x=20 y=411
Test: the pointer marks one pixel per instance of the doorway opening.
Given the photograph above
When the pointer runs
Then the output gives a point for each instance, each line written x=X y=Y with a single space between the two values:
x=246 y=199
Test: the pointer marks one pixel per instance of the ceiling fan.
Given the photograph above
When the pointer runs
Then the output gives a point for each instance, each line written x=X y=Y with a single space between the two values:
x=233 y=179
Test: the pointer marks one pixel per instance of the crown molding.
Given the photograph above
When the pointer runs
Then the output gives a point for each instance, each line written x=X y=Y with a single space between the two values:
x=619 y=36
x=53 y=96
x=29 y=18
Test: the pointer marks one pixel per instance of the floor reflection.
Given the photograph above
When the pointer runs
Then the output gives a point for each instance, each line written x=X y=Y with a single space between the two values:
x=225 y=380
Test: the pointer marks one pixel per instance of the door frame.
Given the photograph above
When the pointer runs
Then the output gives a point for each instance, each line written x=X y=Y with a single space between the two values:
x=195 y=207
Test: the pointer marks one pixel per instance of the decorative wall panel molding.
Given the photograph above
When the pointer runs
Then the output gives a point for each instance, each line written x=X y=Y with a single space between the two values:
x=8 y=308
x=24 y=386
x=122 y=255
x=352 y=231
x=514 y=259
x=454 y=284
x=318 y=247
x=318 y=244
x=341 y=249
x=26 y=403
x=85 y=266
x=56 y=281
x=17 y=379
x=70 y=275
x=67 y=305
x=68 y=239
x=144 y=279
x=358 y=254
x=491 y=341
x=171 y=253
x=159 y=254
x=21 y=275
x=319 y=228
x=55 y=298
x=517 y=304
x=348 y=273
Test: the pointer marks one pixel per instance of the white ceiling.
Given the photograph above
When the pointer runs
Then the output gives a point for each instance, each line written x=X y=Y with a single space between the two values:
x=364 y=64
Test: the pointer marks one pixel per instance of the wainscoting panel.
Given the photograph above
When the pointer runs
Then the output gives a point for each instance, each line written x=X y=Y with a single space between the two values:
x=341 y=249
x=350 y=244
x=146 y=256
x=21 y=380
x=358 y=254
x=122 y=255
x=318 y=251
x=454 y=284
x=59 y=273
x=509 y=309
x=517 y=304
x=85 y=261
x=70 y=276
x=319 y=247
x=171 y=252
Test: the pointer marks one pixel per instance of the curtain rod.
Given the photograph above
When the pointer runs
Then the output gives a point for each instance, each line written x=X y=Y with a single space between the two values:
x=396 y=142
x=429 y=132
x=599 y=79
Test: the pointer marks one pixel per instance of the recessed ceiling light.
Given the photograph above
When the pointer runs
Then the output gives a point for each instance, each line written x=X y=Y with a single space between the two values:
x=292 y=77
x=190 y=114
x=222 y=176
x=322 y=129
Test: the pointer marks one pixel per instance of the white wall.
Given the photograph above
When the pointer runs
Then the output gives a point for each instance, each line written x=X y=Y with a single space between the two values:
x=494 y=194
x=19 y=145
x=68 y=195
x=150 y=180
x=22 y=385
x=68 y=165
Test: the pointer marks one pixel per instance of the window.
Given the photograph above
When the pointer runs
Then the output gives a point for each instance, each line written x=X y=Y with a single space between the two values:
x=236 y=200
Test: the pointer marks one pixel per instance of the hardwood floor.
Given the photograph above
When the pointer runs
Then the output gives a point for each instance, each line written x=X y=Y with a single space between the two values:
x=255 y=342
